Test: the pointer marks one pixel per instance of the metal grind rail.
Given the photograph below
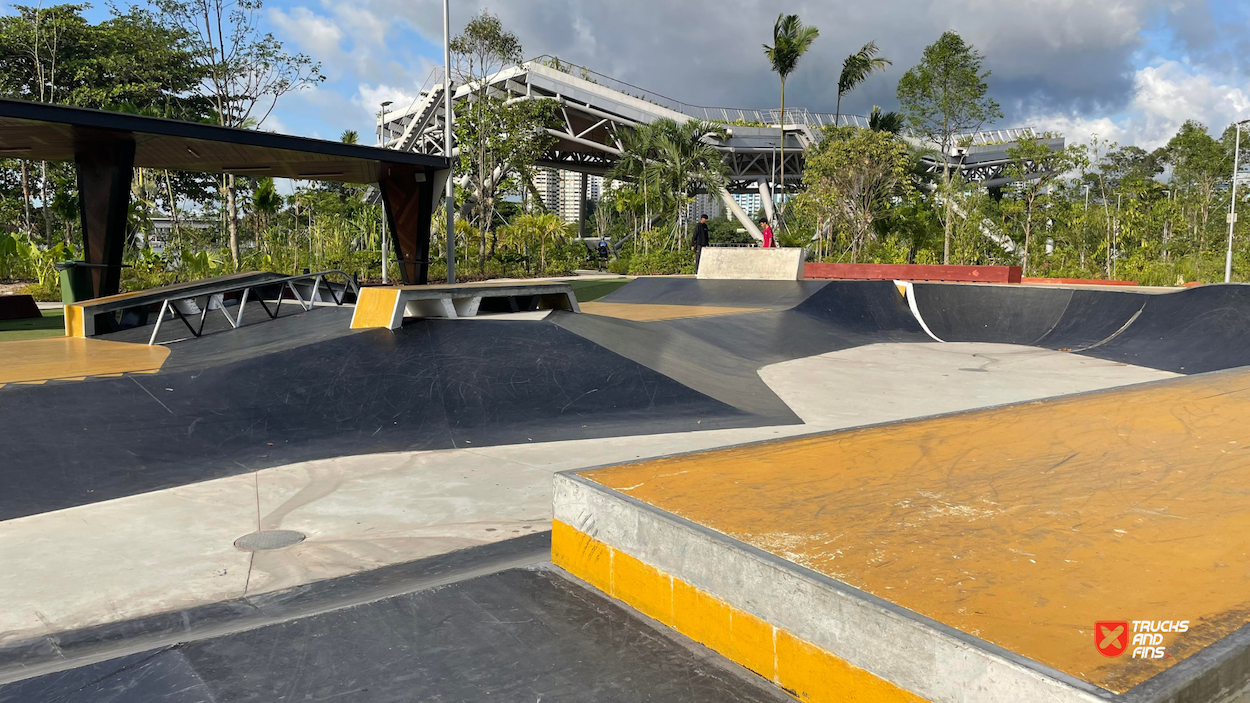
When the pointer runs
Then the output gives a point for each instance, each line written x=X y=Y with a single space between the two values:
x=215 y=298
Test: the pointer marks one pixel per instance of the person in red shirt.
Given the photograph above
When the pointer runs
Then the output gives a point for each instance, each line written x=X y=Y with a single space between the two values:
x=768 y=234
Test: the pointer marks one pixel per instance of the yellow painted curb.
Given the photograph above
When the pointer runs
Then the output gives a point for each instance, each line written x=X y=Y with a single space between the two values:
x=804 y=670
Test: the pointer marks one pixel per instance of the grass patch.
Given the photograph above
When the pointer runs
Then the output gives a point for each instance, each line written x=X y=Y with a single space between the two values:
x=587 y=291
x=52 y=324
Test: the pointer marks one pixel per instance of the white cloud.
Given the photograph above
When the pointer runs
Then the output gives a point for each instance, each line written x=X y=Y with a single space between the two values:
x=1165 y=95
x=1170 y=93
x=314 y=34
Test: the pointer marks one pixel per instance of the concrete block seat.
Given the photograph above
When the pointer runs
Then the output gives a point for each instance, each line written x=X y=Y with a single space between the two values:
x=387 y=306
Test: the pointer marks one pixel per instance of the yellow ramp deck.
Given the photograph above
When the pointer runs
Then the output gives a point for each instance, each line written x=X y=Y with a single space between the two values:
x=40 y=360
x=1021 y=525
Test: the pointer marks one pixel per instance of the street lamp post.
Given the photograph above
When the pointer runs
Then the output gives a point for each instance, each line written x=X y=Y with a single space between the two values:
x=1232 y=203
x=449 y=193
x=382 y=142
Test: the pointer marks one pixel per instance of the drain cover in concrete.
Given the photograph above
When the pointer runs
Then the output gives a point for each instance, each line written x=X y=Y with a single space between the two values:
x=269 y=539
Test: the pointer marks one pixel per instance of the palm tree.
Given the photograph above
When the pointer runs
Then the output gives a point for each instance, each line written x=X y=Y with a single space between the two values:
x=856 y=69
x=791 y=39
x=350 y=136
x=880 y=121
x=635 y=164
x=688 y=163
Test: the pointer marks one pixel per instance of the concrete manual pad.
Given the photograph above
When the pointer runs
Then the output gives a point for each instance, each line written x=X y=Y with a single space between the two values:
x=1027 y=552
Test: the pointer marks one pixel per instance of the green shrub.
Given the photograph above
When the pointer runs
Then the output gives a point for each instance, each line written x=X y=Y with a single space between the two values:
x=662 y=262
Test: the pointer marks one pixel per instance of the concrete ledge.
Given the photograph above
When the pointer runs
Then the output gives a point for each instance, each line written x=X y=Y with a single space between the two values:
x=865 y=646
x=387 y=307
x=751 y=263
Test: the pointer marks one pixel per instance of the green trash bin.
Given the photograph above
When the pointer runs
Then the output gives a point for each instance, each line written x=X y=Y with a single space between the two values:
x=75 y=281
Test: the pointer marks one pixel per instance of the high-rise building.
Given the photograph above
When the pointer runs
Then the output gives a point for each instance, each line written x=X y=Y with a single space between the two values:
x=749 y=202
x=704 y=204
x=570 y=194
x=547 y=181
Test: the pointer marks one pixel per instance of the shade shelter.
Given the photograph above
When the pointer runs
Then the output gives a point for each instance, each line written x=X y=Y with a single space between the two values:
x=106 y=147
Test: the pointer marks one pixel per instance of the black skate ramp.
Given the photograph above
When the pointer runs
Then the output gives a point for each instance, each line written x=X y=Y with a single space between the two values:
x=434 y=384
x=990 y=313
x=1195 y=330
x=515 y=636
x=662 y=290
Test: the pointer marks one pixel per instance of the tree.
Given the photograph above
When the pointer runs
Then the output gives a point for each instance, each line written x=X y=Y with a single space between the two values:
x=855 y=70
x=879 y=121
x=497 y=139
x=1200 y=164
x=791 y=39
x=944 y=96
x=246 y=71
x=350 y=136
x=1035 y=166
x=855 y=178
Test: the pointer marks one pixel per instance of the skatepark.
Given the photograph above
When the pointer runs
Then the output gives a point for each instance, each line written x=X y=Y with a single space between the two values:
x=685 y=489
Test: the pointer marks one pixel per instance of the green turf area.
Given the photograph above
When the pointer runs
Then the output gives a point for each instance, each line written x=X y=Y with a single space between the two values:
x=52 y=324
x=594 y=289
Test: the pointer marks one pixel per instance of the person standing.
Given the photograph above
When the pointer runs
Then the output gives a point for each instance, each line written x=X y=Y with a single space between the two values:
x=700 y=240
x=768 y=234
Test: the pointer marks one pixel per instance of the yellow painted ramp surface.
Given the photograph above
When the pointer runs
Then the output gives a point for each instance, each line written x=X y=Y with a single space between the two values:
x=35 y=360
x=1023 y=525
x=651 y=313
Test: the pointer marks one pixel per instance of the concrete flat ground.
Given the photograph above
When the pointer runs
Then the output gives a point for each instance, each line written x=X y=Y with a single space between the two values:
x=173 y=549
x=1020 y=526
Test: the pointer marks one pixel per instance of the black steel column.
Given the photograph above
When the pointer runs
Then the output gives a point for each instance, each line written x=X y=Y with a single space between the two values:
x=105 y=166
x=581 y=211
x=408 y=202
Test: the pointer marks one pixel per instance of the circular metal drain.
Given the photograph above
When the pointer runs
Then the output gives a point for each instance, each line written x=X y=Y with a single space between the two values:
x=269 y=539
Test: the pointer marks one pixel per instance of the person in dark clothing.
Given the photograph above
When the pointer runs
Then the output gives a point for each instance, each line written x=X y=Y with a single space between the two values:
x=700 y=240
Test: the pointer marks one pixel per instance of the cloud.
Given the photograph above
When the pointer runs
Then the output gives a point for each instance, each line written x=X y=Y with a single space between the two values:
x=1062 y=54
x=1129 y=70
x=1165 y=95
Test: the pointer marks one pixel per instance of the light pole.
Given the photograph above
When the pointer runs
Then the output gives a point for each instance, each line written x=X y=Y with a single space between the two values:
x=449 y=193
x=1232 y=203
x=382 y=142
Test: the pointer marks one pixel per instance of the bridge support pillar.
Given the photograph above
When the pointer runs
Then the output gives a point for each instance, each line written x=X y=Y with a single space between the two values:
x=766 y=199
x=742 y=216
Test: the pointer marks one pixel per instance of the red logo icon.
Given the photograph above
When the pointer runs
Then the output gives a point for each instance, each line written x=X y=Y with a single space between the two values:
x=1111 y=637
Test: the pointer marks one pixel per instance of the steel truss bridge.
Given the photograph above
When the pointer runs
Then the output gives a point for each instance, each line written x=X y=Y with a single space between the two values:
x=593 y=108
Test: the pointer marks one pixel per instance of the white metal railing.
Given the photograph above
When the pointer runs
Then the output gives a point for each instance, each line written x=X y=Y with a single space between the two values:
x=214 y=299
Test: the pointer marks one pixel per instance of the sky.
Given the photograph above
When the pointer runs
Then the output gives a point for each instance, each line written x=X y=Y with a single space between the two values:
x=1129 y=71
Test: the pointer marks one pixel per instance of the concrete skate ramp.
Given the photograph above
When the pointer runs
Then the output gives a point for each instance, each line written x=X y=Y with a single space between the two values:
x=433 y=384
x=1190 y=331
x=661 y=290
